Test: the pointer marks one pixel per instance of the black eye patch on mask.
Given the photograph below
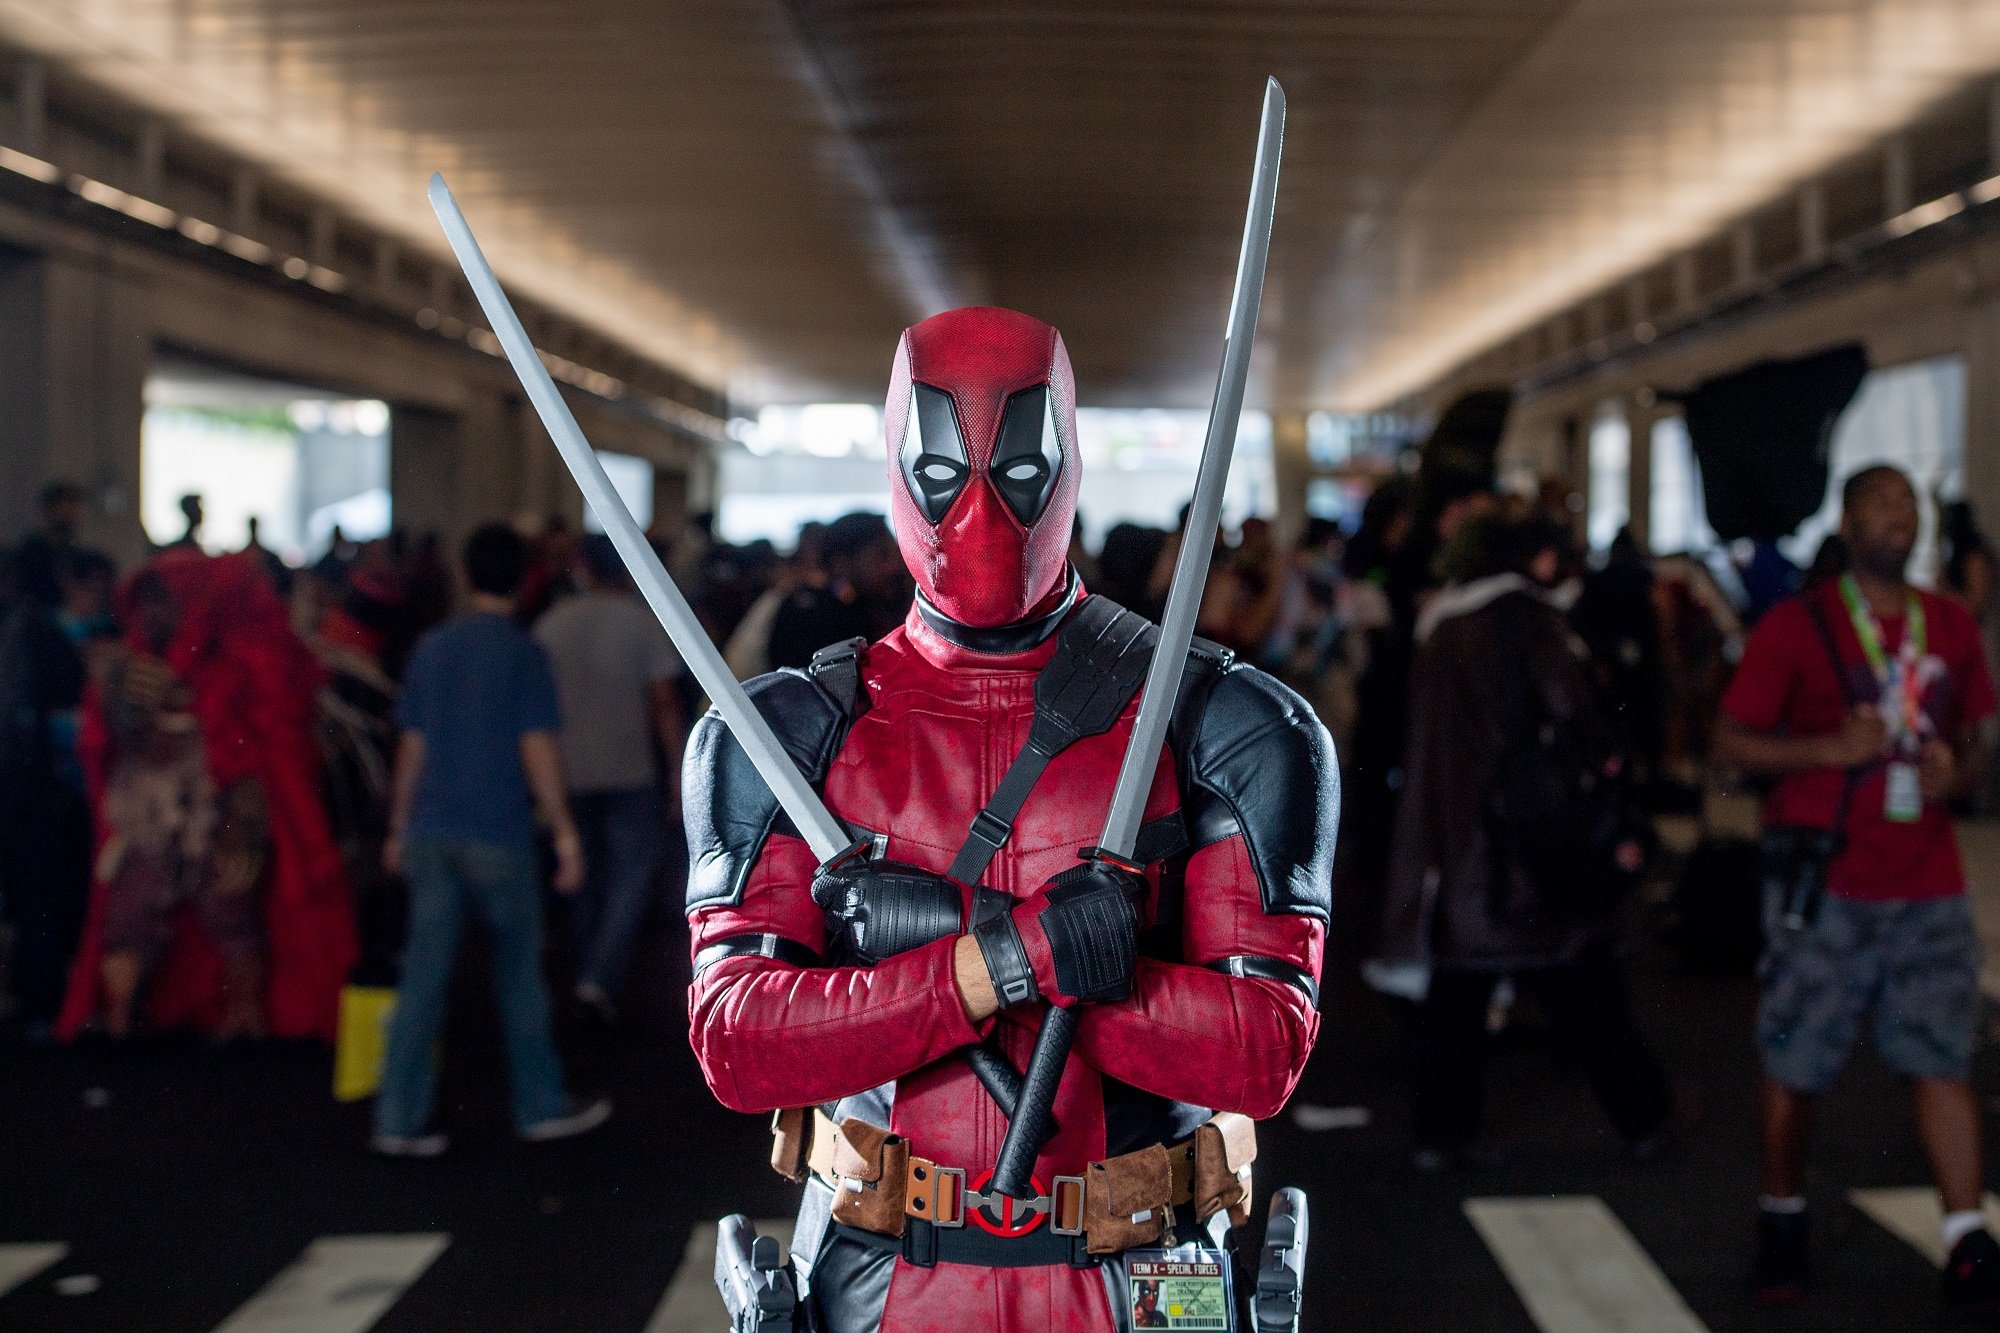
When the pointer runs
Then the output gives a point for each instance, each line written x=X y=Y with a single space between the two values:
x=1027 y=458
x=935 y=464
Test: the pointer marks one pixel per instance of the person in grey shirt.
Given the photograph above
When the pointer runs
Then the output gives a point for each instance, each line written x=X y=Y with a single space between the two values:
x=615 y=671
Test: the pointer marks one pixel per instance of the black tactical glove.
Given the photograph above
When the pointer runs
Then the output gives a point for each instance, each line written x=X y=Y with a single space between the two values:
x=1075 y=941
x=877 y=909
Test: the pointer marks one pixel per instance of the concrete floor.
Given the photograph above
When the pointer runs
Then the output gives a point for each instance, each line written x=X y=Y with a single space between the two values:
x=196 y=1191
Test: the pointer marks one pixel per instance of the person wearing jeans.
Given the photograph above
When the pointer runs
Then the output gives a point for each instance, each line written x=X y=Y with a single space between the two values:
x=624 y=842
x=615 y=673
x=449 y=881
x=477 y=756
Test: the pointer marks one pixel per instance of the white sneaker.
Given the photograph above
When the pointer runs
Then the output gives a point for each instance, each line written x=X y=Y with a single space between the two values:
x=409 y=1145
x=580 y=1121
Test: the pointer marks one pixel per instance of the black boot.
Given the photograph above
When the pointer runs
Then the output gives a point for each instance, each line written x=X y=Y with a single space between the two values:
x=1779 y=1275
x=1972 y=1275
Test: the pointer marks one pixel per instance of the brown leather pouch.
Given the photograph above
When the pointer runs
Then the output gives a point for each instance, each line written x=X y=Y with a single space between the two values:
x=791 y=1141
x=1125 y=1200
x=1224 y=1148
x=871 y=1176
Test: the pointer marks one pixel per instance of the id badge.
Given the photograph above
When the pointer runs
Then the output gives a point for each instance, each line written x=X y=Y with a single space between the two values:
x=1902 y=795
x=1185 y=1287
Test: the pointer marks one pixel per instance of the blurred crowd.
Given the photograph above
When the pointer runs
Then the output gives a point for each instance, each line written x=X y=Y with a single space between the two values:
x=1528 y=723
x=230 y=787
x=206 y=733
x=200 y=814
x=197 y=771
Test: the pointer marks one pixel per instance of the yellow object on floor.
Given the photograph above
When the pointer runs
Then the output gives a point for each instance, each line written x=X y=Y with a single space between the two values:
x=363 y=1038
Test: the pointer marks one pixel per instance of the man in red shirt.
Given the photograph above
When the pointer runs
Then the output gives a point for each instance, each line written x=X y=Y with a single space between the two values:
x=1875 y=746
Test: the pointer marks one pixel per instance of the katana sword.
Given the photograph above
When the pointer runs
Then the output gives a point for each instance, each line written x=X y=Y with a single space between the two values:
x=822 y=832
x=816 y=824
x=1028 y=1128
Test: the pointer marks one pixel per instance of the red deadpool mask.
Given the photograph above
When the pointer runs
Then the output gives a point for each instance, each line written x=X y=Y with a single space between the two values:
x=983 y=464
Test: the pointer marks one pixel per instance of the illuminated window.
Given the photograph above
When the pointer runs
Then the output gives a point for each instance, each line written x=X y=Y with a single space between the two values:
x=632 y=478
x=1677 y=516
x=1610 y=475
x=299 y=461
x=1913 y=417
x=1329 y=439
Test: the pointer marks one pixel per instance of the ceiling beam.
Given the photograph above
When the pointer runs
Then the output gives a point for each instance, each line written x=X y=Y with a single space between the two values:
x=915 y=267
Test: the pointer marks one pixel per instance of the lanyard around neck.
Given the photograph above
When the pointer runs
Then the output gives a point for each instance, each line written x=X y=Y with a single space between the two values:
x=1870 y=634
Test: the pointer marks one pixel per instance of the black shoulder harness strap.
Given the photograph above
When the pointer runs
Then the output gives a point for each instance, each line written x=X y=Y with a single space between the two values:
x=837 y=668
x=729 y=808
x=1101 y=657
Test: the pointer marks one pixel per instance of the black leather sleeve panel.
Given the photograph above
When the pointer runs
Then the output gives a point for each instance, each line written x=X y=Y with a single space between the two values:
x=728 y=809
x=1262 y=755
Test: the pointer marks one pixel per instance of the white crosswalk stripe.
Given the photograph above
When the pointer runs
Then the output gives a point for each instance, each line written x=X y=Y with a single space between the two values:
x=1915 y=1217
x=691 y=1303
x=341 y=1284
x=1577 y=1269
x=19 y=1262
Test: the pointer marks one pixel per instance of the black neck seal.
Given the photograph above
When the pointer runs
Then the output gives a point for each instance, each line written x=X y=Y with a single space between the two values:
x=1017 y=637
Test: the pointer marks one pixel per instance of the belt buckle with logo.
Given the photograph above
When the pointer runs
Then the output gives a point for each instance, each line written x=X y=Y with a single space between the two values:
x=1002 y=1215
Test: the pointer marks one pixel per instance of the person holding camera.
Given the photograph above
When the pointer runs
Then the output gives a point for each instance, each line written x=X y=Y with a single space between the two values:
x=1863 y=697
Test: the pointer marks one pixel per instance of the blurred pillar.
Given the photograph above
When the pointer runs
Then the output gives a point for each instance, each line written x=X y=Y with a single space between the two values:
x=703 y=477
x=449 y=472
x=421 y=443
x=1573 y=454
x=487 y=462
x=670 y=500
x=75 y=348
x=1292 y=470
x=541 y=487
x=1982 y=412
x=1642 y=409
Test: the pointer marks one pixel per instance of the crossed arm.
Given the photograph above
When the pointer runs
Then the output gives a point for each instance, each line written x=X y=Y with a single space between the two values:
x=771 y=1033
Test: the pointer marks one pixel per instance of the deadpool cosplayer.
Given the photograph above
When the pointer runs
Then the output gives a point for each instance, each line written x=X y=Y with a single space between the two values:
x=896 y=996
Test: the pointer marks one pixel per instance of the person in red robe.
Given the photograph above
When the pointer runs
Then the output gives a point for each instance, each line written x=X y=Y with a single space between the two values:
x=209 y=652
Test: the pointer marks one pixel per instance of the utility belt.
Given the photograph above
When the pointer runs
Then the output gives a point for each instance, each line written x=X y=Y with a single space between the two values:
x=1156 y=1195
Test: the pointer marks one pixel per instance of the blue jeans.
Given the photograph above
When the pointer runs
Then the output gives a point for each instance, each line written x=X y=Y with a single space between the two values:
x=449 y=880
x=624 y=834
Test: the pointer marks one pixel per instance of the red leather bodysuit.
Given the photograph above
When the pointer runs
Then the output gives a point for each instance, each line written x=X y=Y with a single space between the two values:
x=941 y=722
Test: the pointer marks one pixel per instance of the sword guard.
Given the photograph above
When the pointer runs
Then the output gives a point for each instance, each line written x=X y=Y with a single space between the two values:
x=860 y=850
x=1112 y=859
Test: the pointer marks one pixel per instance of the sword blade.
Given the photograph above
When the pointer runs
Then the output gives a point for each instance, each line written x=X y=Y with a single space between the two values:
x=1028 y=1129
x=1163 y=678
x=814 y=821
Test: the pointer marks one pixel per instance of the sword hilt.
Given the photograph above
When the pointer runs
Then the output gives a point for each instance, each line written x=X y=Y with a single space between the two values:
x=1032 y=1122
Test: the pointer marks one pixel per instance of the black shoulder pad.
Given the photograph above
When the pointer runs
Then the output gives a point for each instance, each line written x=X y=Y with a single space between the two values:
x=728 y=808
x=1261 y=752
